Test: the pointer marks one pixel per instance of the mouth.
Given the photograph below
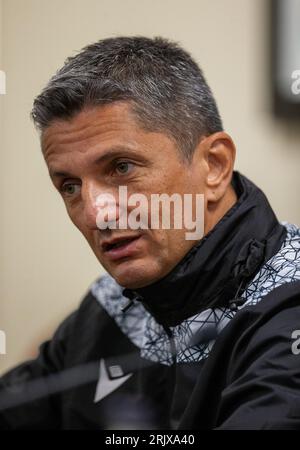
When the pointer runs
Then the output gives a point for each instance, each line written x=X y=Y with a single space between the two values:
x=121 y=247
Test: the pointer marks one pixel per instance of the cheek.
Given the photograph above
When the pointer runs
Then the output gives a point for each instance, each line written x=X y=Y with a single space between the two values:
x=175 y=244
x=167 y=244
x=76 y=219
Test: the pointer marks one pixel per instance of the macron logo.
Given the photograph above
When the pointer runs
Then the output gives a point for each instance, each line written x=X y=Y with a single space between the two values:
x=106 y=385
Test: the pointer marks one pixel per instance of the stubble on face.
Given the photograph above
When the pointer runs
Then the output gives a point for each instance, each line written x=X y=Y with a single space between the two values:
x=86 y=150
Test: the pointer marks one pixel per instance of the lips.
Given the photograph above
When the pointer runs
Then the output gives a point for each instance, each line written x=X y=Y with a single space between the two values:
x=121 y=247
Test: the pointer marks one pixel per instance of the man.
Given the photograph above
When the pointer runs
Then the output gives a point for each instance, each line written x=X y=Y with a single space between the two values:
x=194 y=333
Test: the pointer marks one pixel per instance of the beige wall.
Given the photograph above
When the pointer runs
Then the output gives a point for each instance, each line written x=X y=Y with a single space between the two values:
x=45 y=264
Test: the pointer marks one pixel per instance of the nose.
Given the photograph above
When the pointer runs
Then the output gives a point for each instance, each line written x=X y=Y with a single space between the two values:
x=91 y=192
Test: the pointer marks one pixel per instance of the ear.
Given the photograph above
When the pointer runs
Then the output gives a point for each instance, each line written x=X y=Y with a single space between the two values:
x=219 y=153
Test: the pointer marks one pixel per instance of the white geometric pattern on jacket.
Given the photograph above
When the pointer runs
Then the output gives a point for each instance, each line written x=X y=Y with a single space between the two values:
x=143 y=330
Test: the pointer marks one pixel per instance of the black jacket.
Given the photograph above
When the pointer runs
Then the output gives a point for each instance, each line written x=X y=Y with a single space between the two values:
x=214 y=344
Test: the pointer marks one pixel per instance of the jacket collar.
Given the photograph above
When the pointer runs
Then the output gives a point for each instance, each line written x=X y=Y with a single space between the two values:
x=219 y=266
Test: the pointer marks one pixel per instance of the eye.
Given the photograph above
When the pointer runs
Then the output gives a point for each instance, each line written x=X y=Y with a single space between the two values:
x=124 y=167
x=69 y=189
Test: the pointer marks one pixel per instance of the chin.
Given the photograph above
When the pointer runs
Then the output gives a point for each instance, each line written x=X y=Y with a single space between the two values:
x=133 y=276
x=133 y=282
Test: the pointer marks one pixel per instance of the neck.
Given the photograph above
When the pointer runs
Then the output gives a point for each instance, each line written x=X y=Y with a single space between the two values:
x=217 y=210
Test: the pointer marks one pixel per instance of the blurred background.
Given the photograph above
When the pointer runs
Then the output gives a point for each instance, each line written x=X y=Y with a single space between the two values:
x=46 y=266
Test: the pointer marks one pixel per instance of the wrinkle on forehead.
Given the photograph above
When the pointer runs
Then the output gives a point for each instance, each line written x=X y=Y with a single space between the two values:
x=87 y=124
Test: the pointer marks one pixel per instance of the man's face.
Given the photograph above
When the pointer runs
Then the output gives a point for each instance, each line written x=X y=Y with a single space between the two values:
x=103 y=148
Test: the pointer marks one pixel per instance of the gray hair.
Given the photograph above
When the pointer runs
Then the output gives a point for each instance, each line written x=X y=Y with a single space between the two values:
x=165 y=87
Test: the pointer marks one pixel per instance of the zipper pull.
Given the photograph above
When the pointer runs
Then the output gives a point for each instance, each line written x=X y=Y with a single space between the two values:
x=132 y=295
x=237 y=300
x=172 y=343
x=127 y=306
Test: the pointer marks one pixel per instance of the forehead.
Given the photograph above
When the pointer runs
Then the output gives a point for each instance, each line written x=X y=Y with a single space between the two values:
x=87 y=126
x=98 y=130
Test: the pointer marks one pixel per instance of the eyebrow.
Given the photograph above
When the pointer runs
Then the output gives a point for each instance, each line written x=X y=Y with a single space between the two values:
x=110 y=154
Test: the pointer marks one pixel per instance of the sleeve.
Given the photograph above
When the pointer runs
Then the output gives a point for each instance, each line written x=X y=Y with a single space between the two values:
x=27 y=397
x=263 y=390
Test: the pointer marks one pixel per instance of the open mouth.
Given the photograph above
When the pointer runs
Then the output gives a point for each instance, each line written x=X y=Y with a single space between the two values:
x=119 y=243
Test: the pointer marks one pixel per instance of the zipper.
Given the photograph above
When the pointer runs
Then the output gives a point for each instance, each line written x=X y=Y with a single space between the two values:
x=172 y=343
x=171 y=386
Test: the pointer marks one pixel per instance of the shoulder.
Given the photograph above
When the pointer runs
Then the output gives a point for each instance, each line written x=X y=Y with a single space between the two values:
x=265 y=333
x=100 y=295
x=90 y=312
x=263 y=369
x=282 y=269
